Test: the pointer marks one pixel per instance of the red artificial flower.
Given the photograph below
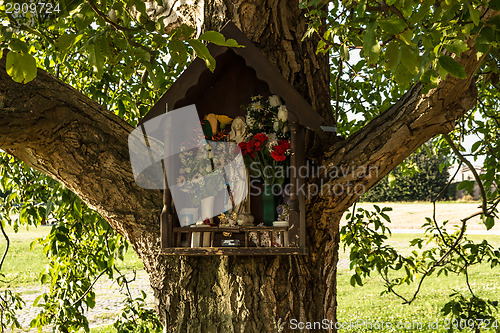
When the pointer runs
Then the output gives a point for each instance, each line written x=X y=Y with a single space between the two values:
x=260 y=137
x=247 y=148
x=284 y=143
x=279 y=149
x=258 y=145
x=277 y=156
x=278 y=153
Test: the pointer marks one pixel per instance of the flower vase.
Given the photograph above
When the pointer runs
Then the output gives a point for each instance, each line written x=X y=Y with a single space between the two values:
x=207 y=212
x=269 y=213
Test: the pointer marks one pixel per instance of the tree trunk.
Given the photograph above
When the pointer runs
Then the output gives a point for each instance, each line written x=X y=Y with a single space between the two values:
x=258 y=294
x=57 y=130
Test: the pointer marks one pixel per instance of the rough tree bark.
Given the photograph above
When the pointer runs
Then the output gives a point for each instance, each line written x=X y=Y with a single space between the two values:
x=55 y=129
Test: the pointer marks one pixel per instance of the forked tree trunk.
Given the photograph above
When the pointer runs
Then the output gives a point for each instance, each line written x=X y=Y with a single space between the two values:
x=57 y=130
x=259 y=294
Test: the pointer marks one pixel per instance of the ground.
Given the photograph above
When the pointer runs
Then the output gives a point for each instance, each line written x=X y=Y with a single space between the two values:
x=411 y=215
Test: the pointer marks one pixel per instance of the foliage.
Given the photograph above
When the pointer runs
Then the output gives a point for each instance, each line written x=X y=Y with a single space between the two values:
x=365 y=302
x=9 y=303
x=115 y=54
x=135 y=318
x=378 y=49
x=421 y=177
x=445 y=253
x=81 y=247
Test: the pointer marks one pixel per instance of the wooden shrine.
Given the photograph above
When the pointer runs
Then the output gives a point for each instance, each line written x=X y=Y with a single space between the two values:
x=240 y=73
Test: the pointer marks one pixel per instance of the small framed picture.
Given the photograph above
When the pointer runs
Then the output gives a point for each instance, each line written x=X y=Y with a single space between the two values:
x=188 y=216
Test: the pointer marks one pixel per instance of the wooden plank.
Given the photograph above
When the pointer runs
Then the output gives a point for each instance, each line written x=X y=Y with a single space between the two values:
x=234 y=251
x=227 y=229
x=294 y=215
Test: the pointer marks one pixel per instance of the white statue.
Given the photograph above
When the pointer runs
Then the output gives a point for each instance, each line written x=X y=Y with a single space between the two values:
x=238 y=130
x=238 y=134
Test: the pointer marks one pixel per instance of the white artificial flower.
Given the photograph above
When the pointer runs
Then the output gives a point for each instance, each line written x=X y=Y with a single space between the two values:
x=285 y=129
x=256 y=106
x=276 y=126
x=272 y=141
x=250 y=121
x=282 y=113
x=274 y=100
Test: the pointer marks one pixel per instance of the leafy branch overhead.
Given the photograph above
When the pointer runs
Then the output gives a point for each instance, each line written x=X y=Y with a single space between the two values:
x=107 y=35
x=406 y=40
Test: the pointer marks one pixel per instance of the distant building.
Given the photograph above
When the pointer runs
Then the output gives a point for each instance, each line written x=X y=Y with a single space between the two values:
x=465 y=173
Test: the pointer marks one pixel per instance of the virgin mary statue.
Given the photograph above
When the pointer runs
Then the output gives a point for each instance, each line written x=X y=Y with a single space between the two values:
x=242 y=210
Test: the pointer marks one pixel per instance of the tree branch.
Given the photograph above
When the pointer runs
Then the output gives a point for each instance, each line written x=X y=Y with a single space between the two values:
x=372 y=152
x=473 y=170
x=57 y=130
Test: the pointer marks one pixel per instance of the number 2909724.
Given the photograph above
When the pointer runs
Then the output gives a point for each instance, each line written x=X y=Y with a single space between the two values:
x=32 y=7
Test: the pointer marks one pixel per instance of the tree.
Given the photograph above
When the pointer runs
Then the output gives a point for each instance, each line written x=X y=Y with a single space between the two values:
x=423 y=58
x=421 y=178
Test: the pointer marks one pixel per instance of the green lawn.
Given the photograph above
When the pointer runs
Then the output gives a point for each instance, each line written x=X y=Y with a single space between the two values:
x=23 y=266
x=365 y=303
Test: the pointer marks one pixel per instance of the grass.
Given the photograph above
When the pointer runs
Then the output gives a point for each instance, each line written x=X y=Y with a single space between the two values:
x=366 y=303
x=103 y=329
x=22 y=266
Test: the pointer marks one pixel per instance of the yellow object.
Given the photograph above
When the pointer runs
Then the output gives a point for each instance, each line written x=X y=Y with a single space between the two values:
x=212 y=119
x=223 y=119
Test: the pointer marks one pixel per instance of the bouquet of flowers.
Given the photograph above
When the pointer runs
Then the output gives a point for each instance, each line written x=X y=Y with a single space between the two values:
x=265 y=156
x=196 y=166
x=268 y=145
x=267 y=116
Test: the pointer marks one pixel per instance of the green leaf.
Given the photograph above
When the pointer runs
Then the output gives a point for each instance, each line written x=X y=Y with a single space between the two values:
x=177 y=51
x=391 y=179
x=474 y=14
x=486 y=36
x=218 y=39
x=353 y=281
x=65 y=41
x=201 y=51
x=392 y=25
x=96 y=59
x=475 y=146
x=430 y=79
x=489 y=222
x=21 y=66
x=457 y=46
x=391 y=56
x=406 y=37
x=371 y=47
x=494 y=4
x=344 y=52
x=18 y=46
x=187 y=31
x=141 y=7
x=452 y=67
